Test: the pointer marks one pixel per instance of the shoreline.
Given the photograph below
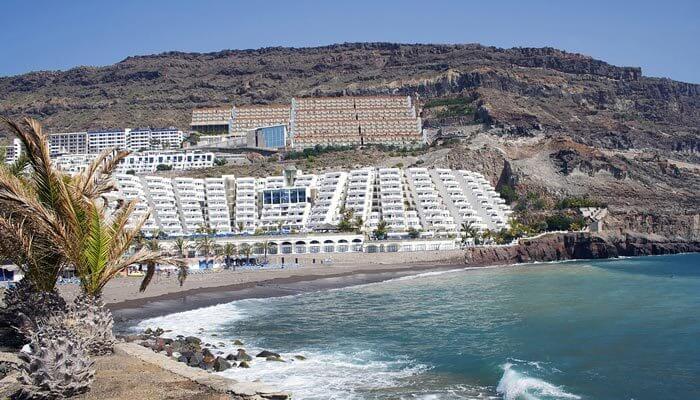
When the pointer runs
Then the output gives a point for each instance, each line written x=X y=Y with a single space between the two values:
x=166 y=297
x=128 y=312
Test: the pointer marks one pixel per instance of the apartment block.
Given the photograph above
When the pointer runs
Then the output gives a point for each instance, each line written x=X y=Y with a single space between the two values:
x=324 y=121
x=145 y=162
x=212 y=121
x=434 y=202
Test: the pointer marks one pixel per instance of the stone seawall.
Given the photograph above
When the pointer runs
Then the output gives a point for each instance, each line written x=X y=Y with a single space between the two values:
x=569 y=246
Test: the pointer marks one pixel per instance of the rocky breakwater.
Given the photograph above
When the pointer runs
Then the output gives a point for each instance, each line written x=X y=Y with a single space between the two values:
x=579 y=245
x=192 y=351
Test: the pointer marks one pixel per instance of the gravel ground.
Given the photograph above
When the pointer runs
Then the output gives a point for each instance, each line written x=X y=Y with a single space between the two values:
x=121 y=377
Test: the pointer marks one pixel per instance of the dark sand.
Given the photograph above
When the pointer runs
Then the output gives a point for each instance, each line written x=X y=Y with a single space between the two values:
x=129 y=312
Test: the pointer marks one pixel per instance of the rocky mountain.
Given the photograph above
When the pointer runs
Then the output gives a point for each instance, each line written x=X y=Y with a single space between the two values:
x=564 y=123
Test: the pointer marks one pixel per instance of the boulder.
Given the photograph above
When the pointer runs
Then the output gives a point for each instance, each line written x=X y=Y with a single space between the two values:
x=237 y=343
x=273 y=358
x=241 y=355
x=182 y=359
x=244 y=364
x=195 y=360
x=231 y=357
x=175 y=355
x=266 y=353
x=158 y=345
x=221 y=364
x=193 y=340
x=205 y=366
x=300 y=358
x=208 y=359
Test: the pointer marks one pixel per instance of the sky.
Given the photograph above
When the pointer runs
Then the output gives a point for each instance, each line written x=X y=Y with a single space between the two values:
x=662 y=37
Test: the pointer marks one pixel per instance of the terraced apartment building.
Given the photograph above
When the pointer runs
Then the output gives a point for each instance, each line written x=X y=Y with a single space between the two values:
x=313 y=121
x=429 y=203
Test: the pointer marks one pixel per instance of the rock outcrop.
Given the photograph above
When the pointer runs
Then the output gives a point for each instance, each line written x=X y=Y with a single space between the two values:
x=569 y=246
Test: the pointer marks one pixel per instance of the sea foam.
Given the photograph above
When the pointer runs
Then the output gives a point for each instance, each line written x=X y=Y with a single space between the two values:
x=515 y=385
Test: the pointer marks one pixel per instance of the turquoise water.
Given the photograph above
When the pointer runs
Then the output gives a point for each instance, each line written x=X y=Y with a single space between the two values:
x=614 y=329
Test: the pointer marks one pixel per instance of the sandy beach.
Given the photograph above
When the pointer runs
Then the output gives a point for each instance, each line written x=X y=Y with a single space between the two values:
x=165 y=296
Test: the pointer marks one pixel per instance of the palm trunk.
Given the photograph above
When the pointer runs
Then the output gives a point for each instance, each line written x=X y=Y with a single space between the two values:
x=95 y=323
x=25 y=307
x=57 y=366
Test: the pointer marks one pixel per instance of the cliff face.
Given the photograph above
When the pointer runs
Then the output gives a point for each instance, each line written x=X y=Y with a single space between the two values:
x=558 y=247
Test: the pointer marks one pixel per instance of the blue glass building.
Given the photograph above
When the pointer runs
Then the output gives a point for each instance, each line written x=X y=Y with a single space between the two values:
x=269 y=137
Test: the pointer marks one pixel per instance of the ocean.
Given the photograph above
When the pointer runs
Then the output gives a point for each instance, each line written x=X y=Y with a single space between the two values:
x=609 y=329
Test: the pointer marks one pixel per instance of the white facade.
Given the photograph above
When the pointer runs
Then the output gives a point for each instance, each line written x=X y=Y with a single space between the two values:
x=434 y=202
x=328 y=203
x=94 y=142
x=154 y=139
x=98 y=141
x=13 y=151
x=142 y=162
x=180 y=206
x=217 y=213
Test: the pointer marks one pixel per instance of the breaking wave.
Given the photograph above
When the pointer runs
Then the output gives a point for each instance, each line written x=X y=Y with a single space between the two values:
x=516 y=385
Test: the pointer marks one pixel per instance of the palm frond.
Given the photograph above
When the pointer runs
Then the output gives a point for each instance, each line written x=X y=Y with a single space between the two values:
x=148 y=276
x=95 y=180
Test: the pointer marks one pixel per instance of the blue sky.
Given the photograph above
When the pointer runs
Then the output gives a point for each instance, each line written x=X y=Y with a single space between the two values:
x=662 y=37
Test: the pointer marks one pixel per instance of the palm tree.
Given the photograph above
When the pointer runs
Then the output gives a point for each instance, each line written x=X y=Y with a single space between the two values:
x=205 y=246
x=181 y=246
x=100 y=251
x=487 y=235
x=469 y=231
x=229 y=250
x=33 y=207
x=58 y=220
x=359 y=223
x=381 y=232
x=246 y=250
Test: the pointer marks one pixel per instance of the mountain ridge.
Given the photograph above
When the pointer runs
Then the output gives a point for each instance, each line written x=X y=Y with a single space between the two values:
x=515 y=88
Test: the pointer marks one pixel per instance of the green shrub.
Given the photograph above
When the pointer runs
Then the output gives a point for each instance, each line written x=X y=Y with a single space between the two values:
x=562 y=222
x=508 y=193
x=578 y=202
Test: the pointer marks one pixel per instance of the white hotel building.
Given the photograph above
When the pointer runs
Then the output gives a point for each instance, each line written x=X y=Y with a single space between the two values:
x=144 y=162
x=434 y=202
x=96 y=141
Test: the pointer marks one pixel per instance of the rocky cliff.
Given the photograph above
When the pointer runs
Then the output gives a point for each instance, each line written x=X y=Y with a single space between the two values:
x=558 y=247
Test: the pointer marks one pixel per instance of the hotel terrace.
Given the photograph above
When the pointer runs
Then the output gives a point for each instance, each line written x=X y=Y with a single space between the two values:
x=432 y=202
x=312 y=121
